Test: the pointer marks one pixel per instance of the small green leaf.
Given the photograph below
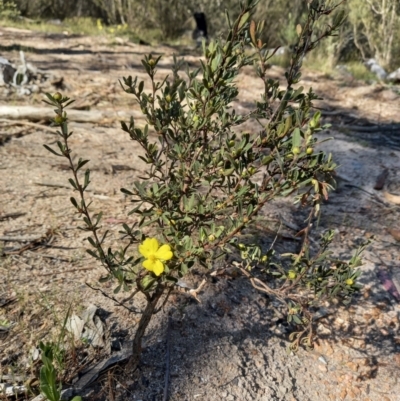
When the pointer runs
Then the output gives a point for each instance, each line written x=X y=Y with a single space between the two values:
x=297 y=320
x=81 y=163
x=74 y=202
x=53 y=151
x=296 y=138
x=72 y=182
x=87 y=179
x=147 y=282
x=244 y=19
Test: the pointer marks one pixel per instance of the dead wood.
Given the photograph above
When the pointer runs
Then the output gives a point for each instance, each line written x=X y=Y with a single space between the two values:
x=46 y=113
x=11 y=215
x=121 y=167
x=21 y=239
x=31 y=242
x=30 y=124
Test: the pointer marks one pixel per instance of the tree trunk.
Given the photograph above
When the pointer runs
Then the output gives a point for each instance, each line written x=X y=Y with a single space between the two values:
x=121 y=12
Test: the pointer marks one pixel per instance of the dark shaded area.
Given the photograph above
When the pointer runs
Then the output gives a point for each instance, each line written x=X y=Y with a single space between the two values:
x=7 y=72
x=72 y=52
x=209 y=327
x=373 y=133
x=201 y=26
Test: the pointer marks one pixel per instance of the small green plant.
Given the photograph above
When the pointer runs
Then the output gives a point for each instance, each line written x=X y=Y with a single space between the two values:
x=49 y=386
x=53 y=355
x=207 y=178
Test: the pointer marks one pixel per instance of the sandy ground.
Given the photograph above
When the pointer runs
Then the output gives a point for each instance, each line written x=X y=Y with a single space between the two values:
x=232 y=346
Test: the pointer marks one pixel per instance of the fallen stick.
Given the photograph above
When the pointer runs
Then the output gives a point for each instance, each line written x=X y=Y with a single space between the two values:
x=47 y=184
x=30 y=243
x=50 y=185
x=43 y=255
x=46 y=113
x=28 y=123
x=66 y=271
x=21 y=239
x=11 y=215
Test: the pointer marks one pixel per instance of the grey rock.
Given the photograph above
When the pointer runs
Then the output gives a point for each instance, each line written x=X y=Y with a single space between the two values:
x=375 y=68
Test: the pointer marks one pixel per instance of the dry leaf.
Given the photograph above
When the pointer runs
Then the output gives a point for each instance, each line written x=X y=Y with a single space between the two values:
x=253 y=32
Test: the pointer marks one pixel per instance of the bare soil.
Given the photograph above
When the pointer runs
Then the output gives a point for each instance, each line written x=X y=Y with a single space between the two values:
x=231 y=346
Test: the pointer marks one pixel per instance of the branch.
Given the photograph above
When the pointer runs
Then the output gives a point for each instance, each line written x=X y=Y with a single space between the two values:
x=373 y=8
x=114 y=299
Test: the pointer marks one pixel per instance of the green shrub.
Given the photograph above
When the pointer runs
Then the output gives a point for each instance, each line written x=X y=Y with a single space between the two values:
x=207 y=179
x=8 y=10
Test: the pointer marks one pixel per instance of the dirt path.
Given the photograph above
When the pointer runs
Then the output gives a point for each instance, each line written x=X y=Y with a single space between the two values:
x=232 y=346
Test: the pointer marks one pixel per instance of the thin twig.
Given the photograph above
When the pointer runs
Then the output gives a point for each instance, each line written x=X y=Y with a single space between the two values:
x=43 y=255
x=11 y=215
x=17 y=251
x=35 y=125
x=130 y=296
x=165 y=301
x=21 y=239
x=276 y=236
x=67 y=271
x=46 y=184
x=110 y=386
x=374 y=198
x=114 y=299
x=49 y=184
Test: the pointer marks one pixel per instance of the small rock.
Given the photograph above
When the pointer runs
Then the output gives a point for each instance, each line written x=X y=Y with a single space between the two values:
x=322 y=360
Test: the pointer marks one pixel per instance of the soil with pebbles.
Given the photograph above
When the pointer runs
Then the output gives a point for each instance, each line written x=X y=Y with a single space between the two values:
x=231 y=346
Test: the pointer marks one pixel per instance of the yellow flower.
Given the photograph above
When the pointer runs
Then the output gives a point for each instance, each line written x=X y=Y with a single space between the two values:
x=349 y=281
x=155 y=255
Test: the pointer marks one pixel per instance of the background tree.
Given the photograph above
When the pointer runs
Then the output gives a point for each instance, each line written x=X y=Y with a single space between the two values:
x=376 y=27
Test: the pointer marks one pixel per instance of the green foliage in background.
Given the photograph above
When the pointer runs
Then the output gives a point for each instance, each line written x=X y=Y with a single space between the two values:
x=372 y=29
x=8 y=10
x=376 y=29
x=207 y=178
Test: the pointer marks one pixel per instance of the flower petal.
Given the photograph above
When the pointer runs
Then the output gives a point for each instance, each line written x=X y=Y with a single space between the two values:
x=148 y=247
x=158 y=268
x=164 y=253
x=149 y=264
